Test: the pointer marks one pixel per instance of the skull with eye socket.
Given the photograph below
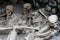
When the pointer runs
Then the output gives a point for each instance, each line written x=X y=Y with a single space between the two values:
x=26 y=9
x=9 y=9
x=27 y=12
x=27 y=6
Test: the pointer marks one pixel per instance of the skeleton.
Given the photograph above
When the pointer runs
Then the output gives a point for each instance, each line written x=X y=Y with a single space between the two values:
x=27 y=13
x=52 y=28
x=46 y=31
x=9 y=11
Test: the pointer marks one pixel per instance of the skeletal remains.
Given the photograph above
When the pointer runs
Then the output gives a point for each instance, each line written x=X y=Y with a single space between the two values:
x=34 y=32
x=27 y=13
x=8 y=11
x=47 y=31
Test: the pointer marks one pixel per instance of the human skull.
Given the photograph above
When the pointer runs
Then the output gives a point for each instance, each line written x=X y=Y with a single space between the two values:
x=27 y=6
x=9 y=9
x=26 y=9
x=53 y=18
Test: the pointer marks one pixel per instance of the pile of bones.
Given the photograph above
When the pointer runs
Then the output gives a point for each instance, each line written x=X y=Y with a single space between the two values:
x=37 y=24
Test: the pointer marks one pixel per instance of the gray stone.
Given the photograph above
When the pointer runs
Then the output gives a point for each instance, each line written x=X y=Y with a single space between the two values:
x=59 y=6
x=48 y=8
x=58 y=1
x=53 y=3
x=40 y=0
x=45 y=1
x=53 y=10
